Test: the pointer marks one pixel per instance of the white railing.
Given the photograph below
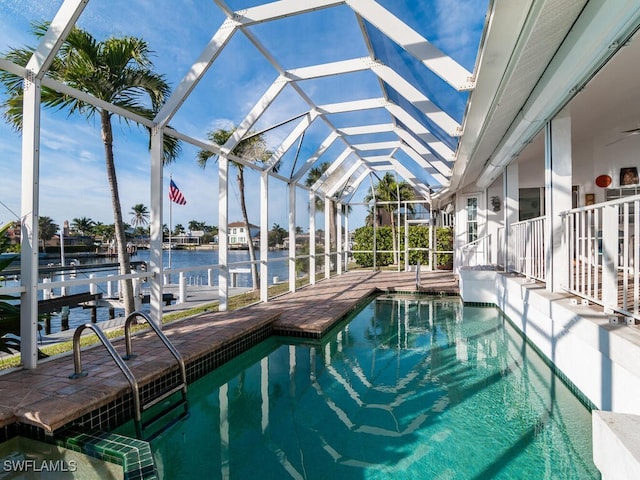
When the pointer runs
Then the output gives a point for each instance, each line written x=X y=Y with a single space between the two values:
x=477 y=252
x=603 y=246
x=527 y=254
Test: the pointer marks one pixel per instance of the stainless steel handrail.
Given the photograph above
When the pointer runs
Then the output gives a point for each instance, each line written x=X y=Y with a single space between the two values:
x=77 y=363
x=162 y=336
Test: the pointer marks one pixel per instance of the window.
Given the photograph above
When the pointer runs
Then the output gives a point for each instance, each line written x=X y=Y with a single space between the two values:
x=531 y=203
x=472 y=219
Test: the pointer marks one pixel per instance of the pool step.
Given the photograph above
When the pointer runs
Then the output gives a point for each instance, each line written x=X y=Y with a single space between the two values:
x=147 y=433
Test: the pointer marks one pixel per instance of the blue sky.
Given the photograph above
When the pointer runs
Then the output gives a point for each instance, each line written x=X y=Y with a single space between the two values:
x=72 y=175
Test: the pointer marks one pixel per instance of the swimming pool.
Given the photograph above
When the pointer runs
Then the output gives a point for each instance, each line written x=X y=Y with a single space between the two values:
x=410 y=388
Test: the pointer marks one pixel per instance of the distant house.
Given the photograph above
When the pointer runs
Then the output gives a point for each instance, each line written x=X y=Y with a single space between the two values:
x=238 y=235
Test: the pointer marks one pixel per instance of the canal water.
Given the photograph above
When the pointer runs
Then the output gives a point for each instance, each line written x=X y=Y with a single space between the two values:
x=278 y=271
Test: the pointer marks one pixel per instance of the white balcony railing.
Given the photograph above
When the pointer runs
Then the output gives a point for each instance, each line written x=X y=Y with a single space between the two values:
x=603 y=246
x=477 y=252
x=527 y=254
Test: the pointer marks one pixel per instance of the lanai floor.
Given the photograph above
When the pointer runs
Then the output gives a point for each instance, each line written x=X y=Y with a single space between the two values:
x=46 y=398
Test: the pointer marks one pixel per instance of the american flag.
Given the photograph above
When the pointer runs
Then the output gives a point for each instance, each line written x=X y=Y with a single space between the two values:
x=175 y=195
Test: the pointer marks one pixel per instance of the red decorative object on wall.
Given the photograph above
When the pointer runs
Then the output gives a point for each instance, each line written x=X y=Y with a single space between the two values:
x=603 y=181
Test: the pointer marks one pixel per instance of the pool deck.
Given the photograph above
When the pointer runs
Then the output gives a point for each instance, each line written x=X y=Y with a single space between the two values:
x=46 y=398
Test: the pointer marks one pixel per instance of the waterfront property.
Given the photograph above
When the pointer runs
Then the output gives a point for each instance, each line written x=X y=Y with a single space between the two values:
x=515 y=124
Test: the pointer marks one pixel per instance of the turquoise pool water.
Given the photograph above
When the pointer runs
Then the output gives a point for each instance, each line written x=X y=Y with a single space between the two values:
x=408 y=389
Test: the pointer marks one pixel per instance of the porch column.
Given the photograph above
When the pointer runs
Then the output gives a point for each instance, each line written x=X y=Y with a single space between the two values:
x=511 y=189
x=264 y=236
x=223 y=232
x=155 y=241
x=557 y=198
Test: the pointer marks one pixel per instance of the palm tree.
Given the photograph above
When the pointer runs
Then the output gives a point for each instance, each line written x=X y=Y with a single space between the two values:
x=83 y=225
x=195 y=225
x=388 y=190
x=46 y=229
x=253 y=149
x=115 y=70
x=312 y=177
x=139 y=215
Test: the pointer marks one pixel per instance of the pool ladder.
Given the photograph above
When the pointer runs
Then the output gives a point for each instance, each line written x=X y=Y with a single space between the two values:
x=139 y=407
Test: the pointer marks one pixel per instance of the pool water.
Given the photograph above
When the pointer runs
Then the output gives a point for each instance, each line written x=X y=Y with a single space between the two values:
x=409 y=389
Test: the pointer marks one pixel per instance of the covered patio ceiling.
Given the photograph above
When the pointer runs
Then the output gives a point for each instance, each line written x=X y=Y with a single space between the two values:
x=443 y=97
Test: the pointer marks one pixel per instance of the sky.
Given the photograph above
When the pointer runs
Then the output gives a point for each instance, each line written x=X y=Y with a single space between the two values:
x=72 y=176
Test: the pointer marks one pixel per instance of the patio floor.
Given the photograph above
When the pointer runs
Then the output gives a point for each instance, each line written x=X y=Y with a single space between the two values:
x=46 y=398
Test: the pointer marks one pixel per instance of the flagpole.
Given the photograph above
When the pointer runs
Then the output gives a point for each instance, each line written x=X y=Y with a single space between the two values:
x=170 y=222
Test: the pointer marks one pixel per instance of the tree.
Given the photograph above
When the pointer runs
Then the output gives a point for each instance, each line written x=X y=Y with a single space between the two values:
x=276 y=235
x=253 y=149
x=194 y=225
x=139 y=215
x=46 y=230
x=388 y=190
x=107 y=232
x=115 y=70
x=178 y=229
x=312 y=177
x=83 y=225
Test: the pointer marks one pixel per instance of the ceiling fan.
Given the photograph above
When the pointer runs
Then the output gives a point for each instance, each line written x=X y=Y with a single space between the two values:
x=627 y=133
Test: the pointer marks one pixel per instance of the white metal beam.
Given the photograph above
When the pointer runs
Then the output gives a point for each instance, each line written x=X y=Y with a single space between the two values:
x=256 y=112
x=197 y=71
x=344 y=178
x=324 y=146
x=421 y=131
x=332 y=168
x=353 y=106
x=327 y=69
x=288 y=142
x=414 y=43
x=58 y=30
x=276 y=10
x=367 y=129
x=377 y=145
x=416 y=157
x=418 y=99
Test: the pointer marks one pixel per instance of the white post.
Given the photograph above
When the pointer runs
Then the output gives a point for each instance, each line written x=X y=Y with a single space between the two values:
x=46 y=293
x=29 y=216
x=210 y=277
x=223 y=232
x=610 y=226
x=558 y=198
x=156 y=281
x=93 y=287
x=264 y=237
x=137 y=301
x=292 y=237
x=511 y=195
x=327 y=238
x=109 y=287
x=182 y=288
x=339 y=238
x=312 y=238
x=346 y=241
